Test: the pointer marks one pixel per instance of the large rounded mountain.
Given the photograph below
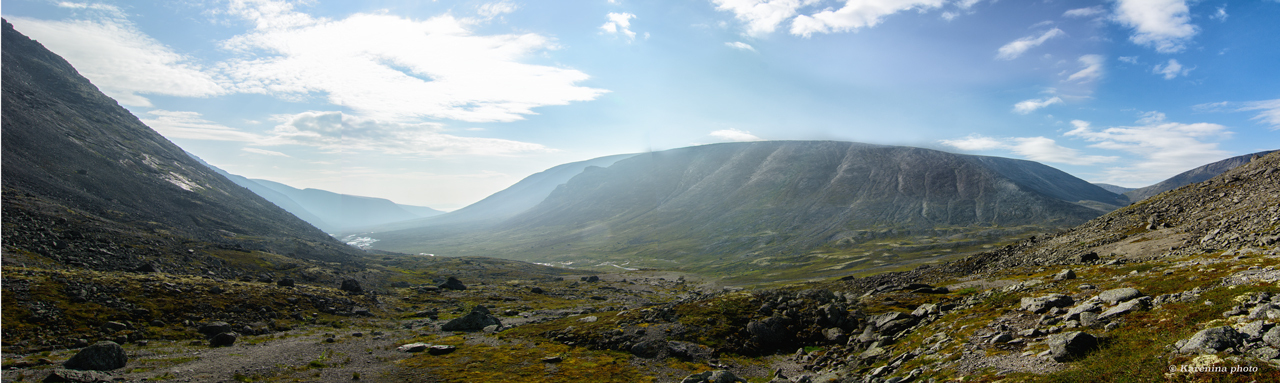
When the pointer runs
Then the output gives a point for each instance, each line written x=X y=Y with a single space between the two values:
x=739 y=200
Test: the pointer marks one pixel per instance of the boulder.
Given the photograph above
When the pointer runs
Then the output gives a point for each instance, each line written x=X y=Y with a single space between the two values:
x=114 y=326
x=1088 y=257
x=101 y=356
x=717 y=376
x=1043 y=303
x=413 y=347
x=835 y=335
x=223 y=339
x=592 y=278
x=925 y=310
x=213 y=328
x=285 y=282
x=1065 y=275
x=441 y=349
x=1254 y=330
x=1122 y=294
x=1210 y=340
x=1125 y=308
x=352 y=286
x=536 y=290
x=1071 y=345
x=476 y=320
x=768 y=331
x=649 y=349
x=1272 y=337
x=61 y=375
x=453 y=284
x=689 y=350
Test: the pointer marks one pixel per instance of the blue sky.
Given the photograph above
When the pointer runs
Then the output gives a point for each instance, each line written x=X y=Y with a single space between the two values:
x=443 y=103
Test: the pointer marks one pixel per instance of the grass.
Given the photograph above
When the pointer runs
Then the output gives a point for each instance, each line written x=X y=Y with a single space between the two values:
x=522 y=362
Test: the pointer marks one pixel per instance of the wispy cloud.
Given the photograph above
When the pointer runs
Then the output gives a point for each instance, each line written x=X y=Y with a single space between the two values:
x=1031 y=105
x=1164 y=148
x=1085 y=12
x=1092 y=69
x=1040 y=149
x=491 y=10
x=619 y=23
x=337 y=132
x=762 y=16
x=1171 y=69
x=735 y=135
x=975 y=143
x=855 y=14
x=1017 y=47
x=123 y=62
x=1161 y=24
x=193 y=126
x=740 y=45
x=1270 y=111
x=264 y=152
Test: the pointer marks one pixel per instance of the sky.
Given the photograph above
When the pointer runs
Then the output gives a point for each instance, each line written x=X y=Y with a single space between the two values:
x=443 y=103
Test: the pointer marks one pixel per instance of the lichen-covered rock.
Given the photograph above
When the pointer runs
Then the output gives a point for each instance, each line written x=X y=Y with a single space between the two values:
x=1042 y=304
x=1210 y=340
x=1071 y=345
x=453 y=284
x=476 y=320
x=717 y=376
x=1122 y=294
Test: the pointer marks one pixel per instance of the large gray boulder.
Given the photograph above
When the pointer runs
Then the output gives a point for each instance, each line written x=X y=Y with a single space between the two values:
x=1122 y=294
x=73 y=376
x=1071 y=345
x=102 y=356
x=1043 y=303
x=476 y=320
x=453 y=284
x=1125 y=308
x=1210 y=340
x=717 y=376
x=352 y=286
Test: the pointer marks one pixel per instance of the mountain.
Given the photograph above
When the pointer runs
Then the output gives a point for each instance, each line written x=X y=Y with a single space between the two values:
x=87 y=184
x=1199 y=174
x=1114 y=188
x=740 y=202
x=506 y=203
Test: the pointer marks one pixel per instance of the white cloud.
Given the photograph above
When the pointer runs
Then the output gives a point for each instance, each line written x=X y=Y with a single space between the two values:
x=762 y=16
x=1040 y=149
x=491 y=10
x=1221 y=14
x=1017 y=47
x=1171 y=70
x=735 y=135
x=1270 y=111
x=1092 y=69
x=740 y=45
x=120 y=60
x=337 y=132
x=1085 y=12
x=393 y=68
x=1128 y=59
x=192 y=126
x=1162 y=24
x=855 y=14
x=975 y=143
x=264 y=152
x=619 y=23
x=1165 y=148
x=1031 y=105
x=1047 y=150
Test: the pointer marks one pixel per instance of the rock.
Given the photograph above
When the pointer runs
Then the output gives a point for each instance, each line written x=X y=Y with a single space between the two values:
x=1001 y=338
x=649 y=349
x=872 y=353
x=717 y=376
x=884 y=319
x=689 y=350
x=588 y=319
x=1266 y=353
x=476 y=320
x=413 y=347
x=440 y=349
x=768 y=331
x=835 y=335
x=145 y=268
x=536 y=290
x=223 y=339
x=1211 y=340
x=1042 y=304
x=1122 y=294
x=1088 y=257
x=1087 y=318
x=114 y=326
x=1071 y=345
x=61 y=375
x=592 y=278
x=1086 y=286
x=1254 y=330
x=453 y=284
x=213 y=328
x=285 y=282
x=1125 y=308
x=897 y=326
x=925 y=310
x=1065 y=275
x=1030 y=333
x=352 y=286
x=552 y=359
x=1272 y=337
x=101 y=356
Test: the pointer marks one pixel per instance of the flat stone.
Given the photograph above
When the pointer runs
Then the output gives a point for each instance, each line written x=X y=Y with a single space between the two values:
x=440 y=349
x=1043 y=303
x=1122 y=294
x=413 y=347
x=61 y=375
x=1124 y=308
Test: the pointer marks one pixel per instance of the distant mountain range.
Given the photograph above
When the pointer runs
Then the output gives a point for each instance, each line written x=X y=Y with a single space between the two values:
x=329 y=211
x=1113 y=188
x=1192 y=176
x=87 y=184
x=740 y=201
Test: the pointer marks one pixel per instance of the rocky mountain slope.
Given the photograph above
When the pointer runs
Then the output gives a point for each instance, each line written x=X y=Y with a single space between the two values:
x=1199 y=174
x=744 y=201
x=86 y=184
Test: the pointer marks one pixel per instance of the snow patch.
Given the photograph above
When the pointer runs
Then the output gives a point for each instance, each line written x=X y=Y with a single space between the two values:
x=182 y=182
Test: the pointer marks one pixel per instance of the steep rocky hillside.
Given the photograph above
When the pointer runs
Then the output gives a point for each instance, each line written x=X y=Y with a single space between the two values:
x=1191 y=176
x=724 y=204
x=86 y=184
